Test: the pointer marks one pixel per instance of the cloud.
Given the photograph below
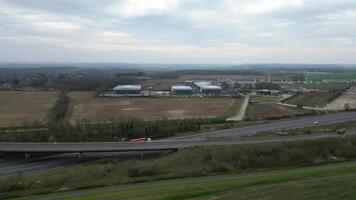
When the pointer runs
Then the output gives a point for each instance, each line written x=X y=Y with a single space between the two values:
x=139 y=8
x=339 y=15
x=38 y=20
x=180 y=30
x=266 y=6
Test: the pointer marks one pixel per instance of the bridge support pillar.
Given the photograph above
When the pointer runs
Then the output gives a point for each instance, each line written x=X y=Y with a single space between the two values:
x=141 y=154
x=80 y=155
x=27 y=156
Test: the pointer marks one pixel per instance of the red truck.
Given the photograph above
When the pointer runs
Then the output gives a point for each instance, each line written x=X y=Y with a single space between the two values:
x=141 y=140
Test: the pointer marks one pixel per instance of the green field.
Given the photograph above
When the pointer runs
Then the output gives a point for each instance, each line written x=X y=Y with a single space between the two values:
x=317 y=86
x=312 y=99
x=336 y=76
x=335 y=181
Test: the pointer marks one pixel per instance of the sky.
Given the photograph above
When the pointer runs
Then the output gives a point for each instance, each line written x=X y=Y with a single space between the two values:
x=178 y=31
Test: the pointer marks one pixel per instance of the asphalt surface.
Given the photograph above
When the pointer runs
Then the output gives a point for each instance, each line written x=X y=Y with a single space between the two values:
x=178 y=142
x=46 y=163
x=294 y=123
x=9 y=167
x=149 y=146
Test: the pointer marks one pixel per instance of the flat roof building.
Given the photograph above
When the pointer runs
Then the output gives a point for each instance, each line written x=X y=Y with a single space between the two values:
x=208 y=88
x=181 y=90
x=128 y=90
x=268 y=92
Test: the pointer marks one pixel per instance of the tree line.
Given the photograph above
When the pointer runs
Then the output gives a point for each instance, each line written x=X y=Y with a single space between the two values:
x=121 y=130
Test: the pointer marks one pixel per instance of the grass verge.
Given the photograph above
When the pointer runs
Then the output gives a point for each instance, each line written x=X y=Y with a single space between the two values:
x=325 y=182
x=188 y=163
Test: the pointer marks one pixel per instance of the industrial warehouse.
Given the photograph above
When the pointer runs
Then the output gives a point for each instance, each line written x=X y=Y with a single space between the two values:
x=191 y=88
x=197 y=89
x=127 y=90
x=182 y=90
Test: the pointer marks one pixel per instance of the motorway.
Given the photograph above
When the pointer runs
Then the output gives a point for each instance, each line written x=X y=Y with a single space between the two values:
x=147 y=146
x=98 y=150
x=211 y=138
x=58 y=161
x=294 y=123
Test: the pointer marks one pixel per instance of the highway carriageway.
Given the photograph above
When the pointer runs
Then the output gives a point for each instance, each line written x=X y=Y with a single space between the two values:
x=204 y=139
x=292 y=123
x=149 y=146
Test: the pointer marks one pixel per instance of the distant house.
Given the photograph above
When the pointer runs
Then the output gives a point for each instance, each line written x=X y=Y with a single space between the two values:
x=127 y=90
x=268 y=92
x=5 y=86
x=182 y=90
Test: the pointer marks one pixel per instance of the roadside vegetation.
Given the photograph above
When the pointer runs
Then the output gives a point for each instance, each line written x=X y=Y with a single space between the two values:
x=124 y=129
x=193 y=162
x=325 y=129
x=59 y=111
x=336 y=181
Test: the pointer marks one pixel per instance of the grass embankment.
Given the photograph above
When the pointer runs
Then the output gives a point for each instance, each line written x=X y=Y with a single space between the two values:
x=188 y=163
x=325 y=182
x=312 y=99
x=273 y=111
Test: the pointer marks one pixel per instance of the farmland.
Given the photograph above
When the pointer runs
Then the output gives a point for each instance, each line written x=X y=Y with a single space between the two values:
x=333 y=76
x=85 y=106
x=19 y=107
x=270 y=111
x=317 y=86
x=264 y=98
x=229 y=76
x=312 y=99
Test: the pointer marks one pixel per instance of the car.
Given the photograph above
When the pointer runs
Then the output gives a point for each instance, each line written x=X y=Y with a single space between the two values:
x=315 y=123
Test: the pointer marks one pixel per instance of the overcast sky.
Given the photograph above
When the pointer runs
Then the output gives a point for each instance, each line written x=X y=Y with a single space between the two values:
x=178 y=31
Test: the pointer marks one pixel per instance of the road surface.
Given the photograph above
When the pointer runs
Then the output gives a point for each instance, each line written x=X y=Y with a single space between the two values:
x=241 y=114
x=148 y=146
x=206 y=139
x=294 y=123
x=33 y=165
